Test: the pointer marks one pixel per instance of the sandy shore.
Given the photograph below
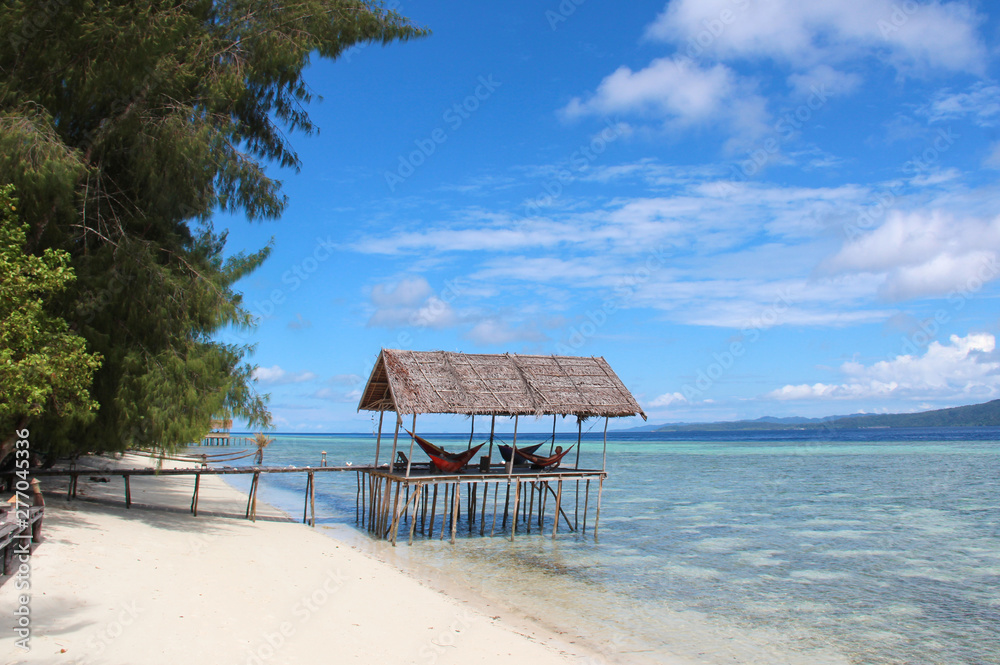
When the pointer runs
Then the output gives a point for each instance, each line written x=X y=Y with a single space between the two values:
x=153 y=584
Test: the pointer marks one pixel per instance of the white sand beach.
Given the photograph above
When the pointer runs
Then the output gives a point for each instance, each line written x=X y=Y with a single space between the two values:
x=154 y=584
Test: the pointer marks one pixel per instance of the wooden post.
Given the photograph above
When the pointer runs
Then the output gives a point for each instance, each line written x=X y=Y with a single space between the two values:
x=555 y=522
x=517 y=495
x=482 y=511
x=128 y=492
x=472 y=431
x=395 y=507
x=434 y=503
x=378 y=437
x=409 y=460
x=597 y=518
x=312 y=500
x=444 y=509
x=305 y=503
x=553 y=444
x=194 y=499
x=395 y=439
x=604 y=461
x=456 y=494
x=413 y=522
x=530 y=512
x=493 y=425
x=496 y=493
x=586 y=500
x=513 y=451
x=506 y=503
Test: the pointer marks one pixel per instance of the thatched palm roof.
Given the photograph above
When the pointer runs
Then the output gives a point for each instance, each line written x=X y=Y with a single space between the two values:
x=495 y=384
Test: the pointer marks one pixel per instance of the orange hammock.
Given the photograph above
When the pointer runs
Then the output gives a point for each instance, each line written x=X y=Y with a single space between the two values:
x=442 y=459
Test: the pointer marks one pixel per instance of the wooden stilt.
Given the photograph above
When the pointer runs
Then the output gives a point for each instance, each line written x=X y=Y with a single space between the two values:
x=555 y=522
x=413 y=522
x=305 y=504
x=456 y=495
x=395 y=507
x=597 y=518
x=506 y=503
x=586 y=499
x=496 y=493
x=194 y=499
x=517 y=495
x=530 y=512
x=357 y=496
x=434 y=503
x=312 y=500
x=445 y=509
x=471 y=507
x=482 y=511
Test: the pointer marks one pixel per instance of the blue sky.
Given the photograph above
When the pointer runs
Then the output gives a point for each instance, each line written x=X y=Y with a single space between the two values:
x=749 y=208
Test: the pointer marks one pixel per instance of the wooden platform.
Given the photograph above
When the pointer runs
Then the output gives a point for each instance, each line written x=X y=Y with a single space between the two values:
x=390 y=499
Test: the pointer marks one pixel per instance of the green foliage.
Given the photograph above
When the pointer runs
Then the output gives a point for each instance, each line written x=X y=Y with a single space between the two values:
x=124 y=126
x=43 y=366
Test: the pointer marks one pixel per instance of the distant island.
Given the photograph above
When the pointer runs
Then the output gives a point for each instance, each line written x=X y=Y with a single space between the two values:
x=975 y=415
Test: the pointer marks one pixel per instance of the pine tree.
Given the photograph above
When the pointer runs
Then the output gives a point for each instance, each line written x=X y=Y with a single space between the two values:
x=124 y=126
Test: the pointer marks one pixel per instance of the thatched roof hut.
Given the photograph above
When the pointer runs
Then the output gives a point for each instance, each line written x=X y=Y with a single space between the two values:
x=414 y=382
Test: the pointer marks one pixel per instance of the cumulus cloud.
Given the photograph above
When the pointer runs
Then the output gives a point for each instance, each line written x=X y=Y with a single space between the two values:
x=276 y=376
x=940 y=35
x=678 y=90
x=410 y=302
x=965 y=366
x=667 y=399
x=921 y=254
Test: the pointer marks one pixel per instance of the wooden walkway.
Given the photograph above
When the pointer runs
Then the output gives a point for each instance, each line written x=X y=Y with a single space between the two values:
x=256 y=471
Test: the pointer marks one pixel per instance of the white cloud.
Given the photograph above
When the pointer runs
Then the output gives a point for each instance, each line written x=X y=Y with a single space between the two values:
x=963 y=367
x=410 y=302
x=276 y=376
x=825 y=81
x=494 y=332
x=981 y=102
x=679 y=91
x=993 y=158
x=326 y=394
x=667 y=399
x=939 y=35
x=923 y=254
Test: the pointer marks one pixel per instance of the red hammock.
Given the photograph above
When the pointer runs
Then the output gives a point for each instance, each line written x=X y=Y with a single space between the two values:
x=442 y=459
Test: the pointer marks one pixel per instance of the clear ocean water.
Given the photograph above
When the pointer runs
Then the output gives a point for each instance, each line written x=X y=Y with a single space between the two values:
x=868 y=546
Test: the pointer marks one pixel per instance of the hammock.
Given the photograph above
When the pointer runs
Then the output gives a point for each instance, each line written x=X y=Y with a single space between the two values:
x=442 y=459
x=518 y=457
x=544 y=462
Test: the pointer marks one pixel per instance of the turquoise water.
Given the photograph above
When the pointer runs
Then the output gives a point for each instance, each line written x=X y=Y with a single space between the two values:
x=876 y=547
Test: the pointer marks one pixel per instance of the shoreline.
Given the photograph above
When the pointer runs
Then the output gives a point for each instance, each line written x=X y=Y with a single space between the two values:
x=154 y=584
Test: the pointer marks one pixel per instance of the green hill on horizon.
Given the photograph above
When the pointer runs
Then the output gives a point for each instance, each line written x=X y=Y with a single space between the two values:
x=974 y=415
